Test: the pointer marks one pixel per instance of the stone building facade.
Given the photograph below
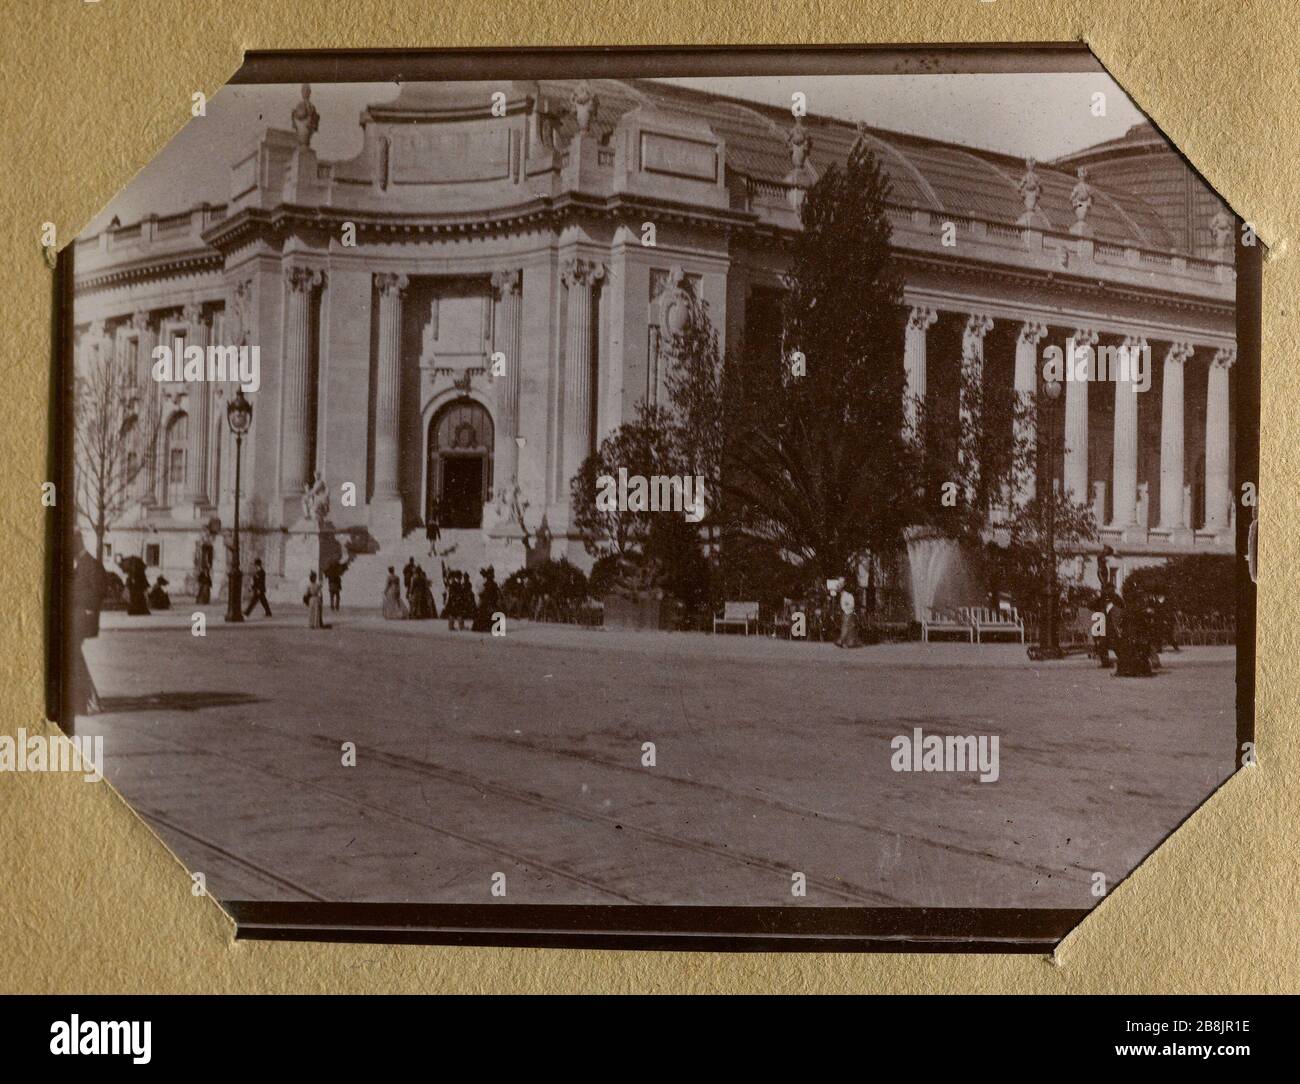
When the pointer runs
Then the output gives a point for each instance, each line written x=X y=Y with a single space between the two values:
x=450 y=321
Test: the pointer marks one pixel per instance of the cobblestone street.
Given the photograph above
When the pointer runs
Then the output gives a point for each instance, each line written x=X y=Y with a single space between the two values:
x=523 y=755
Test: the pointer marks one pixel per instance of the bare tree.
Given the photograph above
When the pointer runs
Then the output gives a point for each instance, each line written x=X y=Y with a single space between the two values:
x=116 y=429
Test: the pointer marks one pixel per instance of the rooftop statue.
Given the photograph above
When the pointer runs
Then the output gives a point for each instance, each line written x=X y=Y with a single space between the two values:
x=800 y=144
x=1030 y=186
x=1081 y=196
x=1081 y=201
x=1221 y=231
x=585 y=103
x=305 y=118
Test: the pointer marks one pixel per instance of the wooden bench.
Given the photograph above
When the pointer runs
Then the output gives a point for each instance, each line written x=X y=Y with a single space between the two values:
x=988 y=620
x=743 y=614
x=953 y=620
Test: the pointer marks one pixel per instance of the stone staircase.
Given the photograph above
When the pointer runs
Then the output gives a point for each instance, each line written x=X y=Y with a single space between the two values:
x=464 y=550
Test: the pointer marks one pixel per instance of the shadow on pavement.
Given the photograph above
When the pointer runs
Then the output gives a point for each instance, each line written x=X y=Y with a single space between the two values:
x=191 y=701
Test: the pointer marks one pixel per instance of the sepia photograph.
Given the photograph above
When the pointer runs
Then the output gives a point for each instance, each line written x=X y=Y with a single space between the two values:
x=792 y=502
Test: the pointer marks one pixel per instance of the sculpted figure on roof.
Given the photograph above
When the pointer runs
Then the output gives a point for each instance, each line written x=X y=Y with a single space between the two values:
x=1081 y=196
x=305 y=118
x=585 y=103
x=800 y=144
x=1221 y=231
x=1030 y=186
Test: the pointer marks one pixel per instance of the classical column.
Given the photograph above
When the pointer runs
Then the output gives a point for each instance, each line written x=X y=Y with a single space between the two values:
x=1216 y=440
x=295 y=415
x=146 y=328
x=1076 y=416
x=508 y=286
x=1171 y=437
x=919 y=320
x=1026 y=387
x=388 y=389
x=972 y=376
x=1124 y=459
x=581 y=277
x=196 y=463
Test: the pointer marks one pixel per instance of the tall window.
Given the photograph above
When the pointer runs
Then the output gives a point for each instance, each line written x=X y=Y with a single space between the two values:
x=177 y=440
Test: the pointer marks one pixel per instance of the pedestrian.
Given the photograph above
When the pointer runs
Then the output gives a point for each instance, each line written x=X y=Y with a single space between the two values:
x=334 y=577
x=394 y=607
x=88 y=579
x=158 y=597
x=259 y=589
x=489 y=601
x=137 y=586
x=1111 y=611
x=408 y=570
x=314 y=603
x=848 y=619
x=203 y=596
x=1133 y=645
x=433 y=531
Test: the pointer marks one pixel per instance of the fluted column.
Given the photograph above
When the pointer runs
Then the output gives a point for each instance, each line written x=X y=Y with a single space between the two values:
x=1216 y=440
x=508 y=286
x=919 y=321
x=146 y=328
x=972 y=373
x=295 y=416
x=388 y=388
x=581 y=277
x=1124 y=459
x=1026 y=388
x=196 y=462
x=1076 y=418
x=1171 y=437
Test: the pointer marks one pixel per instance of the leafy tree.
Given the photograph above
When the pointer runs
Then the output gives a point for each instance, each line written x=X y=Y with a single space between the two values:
x=817 y=469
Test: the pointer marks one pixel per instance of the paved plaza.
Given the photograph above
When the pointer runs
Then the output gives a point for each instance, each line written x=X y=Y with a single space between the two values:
x=523 y=755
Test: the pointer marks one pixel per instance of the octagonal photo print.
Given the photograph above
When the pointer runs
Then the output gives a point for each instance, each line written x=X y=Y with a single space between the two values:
x=701 y=499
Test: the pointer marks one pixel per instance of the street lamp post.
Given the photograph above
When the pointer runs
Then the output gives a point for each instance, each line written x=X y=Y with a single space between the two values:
x=1051 y=647
x=239 y=416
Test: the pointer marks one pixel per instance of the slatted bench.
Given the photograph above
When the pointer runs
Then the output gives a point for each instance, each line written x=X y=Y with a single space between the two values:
x=743 y=614
x=1006 y=622
x=951 y=620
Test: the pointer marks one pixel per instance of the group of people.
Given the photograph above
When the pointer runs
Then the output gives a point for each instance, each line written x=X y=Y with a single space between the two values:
x=458 y=603
x=1135 y=631
x=141 y=598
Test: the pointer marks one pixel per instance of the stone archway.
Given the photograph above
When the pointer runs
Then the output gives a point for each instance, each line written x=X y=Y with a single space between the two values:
x=458 y=475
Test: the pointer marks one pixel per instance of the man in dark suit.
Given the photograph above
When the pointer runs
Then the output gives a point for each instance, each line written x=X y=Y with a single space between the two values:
x=259 y=590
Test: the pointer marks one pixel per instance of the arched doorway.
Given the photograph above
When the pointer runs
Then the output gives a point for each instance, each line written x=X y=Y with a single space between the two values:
x=458 y=475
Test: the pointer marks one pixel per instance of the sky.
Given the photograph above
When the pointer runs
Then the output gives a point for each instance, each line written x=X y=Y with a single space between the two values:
x=1044 y=115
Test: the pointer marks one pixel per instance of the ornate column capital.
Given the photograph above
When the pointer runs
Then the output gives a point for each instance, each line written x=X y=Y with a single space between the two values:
x=921 y=318
x=1179 y=353
x=1225 y=357
x=580 y=272
x=194 y=315
x=1085 y=336
x=1031 y=332
x=1136 y=343
x=507 y=282
x=389 y=284
x=978 y=325
x=303 y=279
x=142 y=320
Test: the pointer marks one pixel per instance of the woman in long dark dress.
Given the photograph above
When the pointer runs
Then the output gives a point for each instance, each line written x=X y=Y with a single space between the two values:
x=137 y=586
x=489 y=601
